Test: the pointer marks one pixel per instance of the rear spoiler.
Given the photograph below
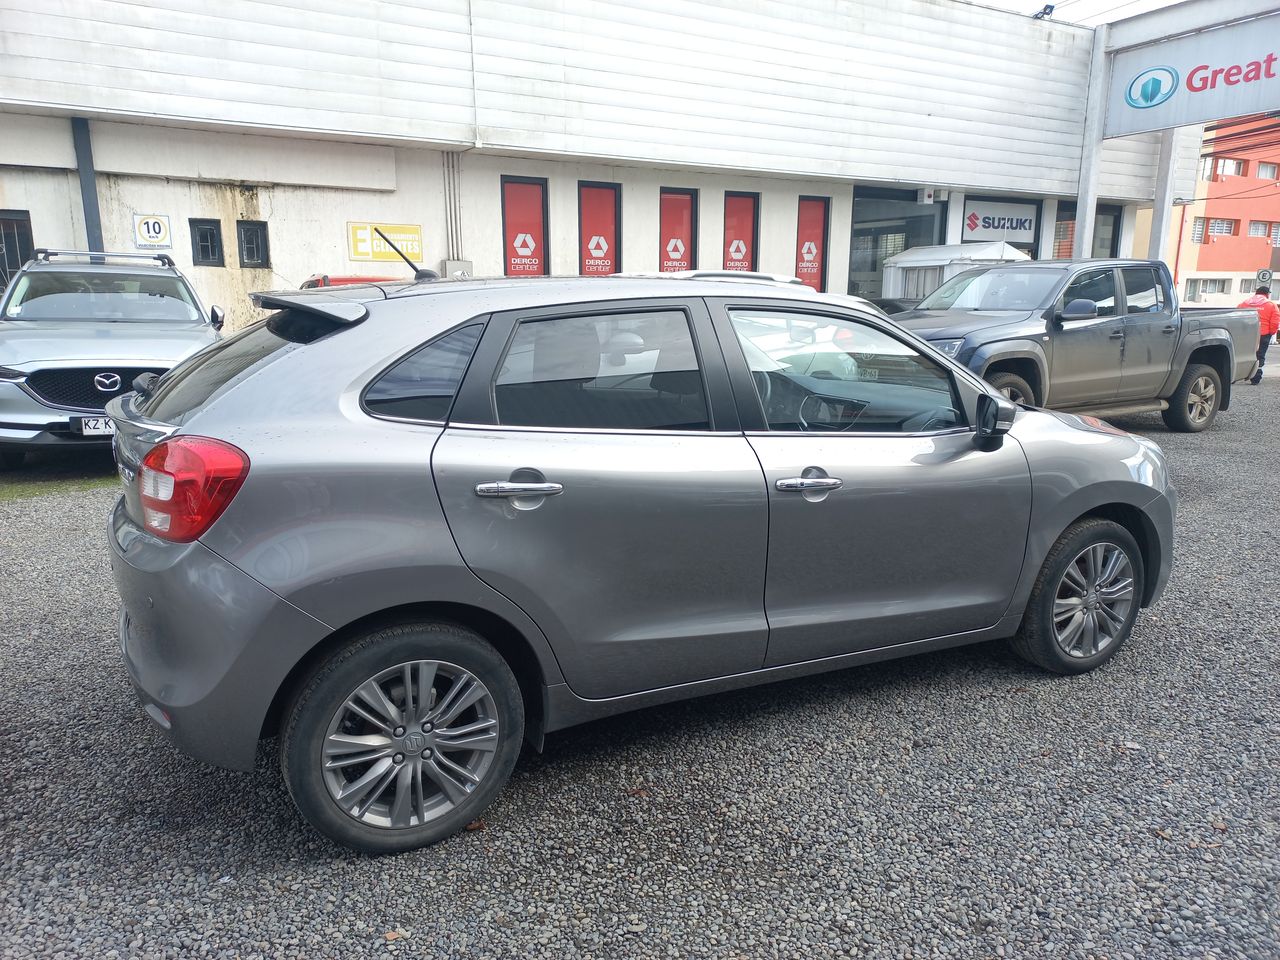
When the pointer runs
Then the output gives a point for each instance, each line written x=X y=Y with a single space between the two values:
x=324 y=302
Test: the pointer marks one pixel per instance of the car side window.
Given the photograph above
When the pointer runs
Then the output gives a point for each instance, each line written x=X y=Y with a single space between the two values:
x=422 y=385
x=1096 y=285
x=823 y=374
x=629 y=371
x=1142 y=290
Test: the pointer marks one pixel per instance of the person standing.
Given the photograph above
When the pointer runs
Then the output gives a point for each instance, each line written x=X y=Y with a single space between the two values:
x=1268 y=324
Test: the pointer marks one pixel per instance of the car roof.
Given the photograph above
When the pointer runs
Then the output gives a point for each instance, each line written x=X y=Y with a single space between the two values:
x=510 y=293
x=45 y=267
x=1067 y=262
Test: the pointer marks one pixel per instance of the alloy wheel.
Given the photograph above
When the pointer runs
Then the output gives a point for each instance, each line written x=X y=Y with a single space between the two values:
x=1201 y=399
x=1093 y=600
x=410 y=744
x=1014 y=394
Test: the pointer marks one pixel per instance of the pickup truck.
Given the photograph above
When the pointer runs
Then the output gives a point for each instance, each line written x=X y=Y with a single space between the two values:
x=1103 y=337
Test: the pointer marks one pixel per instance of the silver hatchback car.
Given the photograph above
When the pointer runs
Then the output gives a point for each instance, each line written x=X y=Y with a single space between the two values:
x=408 y=527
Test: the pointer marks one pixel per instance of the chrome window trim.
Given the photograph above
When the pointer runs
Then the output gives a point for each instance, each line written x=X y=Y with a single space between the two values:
x=622 y=431
x=864 y=434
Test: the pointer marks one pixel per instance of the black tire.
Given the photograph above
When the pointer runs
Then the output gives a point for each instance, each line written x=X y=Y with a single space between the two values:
x=1180 y=416
x=326 y=690
x=1014 y=387
x=1036 y=640
x=11 y=459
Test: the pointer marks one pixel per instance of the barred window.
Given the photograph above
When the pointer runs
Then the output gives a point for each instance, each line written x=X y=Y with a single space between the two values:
x=1197 y=230
x=1259 y=228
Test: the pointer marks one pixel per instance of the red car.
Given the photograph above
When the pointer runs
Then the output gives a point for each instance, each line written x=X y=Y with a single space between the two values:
x=324 y=280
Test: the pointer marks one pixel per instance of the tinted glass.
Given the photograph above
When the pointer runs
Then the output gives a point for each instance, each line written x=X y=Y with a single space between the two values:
x=190 y=384
x=830 y=374
x=422 y=385
x=1096 y=285
x=1006 y=289
x=636 y=371
x=1142 y=290
x=65 y=295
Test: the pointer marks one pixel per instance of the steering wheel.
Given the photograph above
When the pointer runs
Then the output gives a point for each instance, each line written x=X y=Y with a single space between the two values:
x=920 y=422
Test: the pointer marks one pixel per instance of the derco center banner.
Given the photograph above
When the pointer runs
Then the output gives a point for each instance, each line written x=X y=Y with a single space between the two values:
x=1228 y=72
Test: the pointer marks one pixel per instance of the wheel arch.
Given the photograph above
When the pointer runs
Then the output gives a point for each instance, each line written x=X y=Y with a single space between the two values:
x=1024 y=360
x=1139 y=525
x=1215 y=354
x=506 y=638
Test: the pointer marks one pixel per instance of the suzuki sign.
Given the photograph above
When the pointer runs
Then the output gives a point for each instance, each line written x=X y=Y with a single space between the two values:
x=1226 y=72
x=992 y=220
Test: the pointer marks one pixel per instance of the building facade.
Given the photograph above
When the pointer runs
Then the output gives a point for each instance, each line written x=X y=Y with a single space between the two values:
x=262 y=145
x=1230 y=229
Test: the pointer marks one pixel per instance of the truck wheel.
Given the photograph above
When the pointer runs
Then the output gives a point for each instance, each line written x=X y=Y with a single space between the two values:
x=1084 y=601
x=1194 y=405
x=403 y=737
x=1013 y=387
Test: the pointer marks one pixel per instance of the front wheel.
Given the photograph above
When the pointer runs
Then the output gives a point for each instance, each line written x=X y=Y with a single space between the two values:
x=403 y=737
x=1085 y=601
x=1013 y=387
x=1195 y=403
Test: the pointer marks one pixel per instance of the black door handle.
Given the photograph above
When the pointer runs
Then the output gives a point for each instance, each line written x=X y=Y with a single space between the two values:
x=1117 y=335
x=1169 y=329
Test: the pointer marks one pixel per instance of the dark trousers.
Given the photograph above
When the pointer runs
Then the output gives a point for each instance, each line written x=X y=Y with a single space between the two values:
x=1264 y=341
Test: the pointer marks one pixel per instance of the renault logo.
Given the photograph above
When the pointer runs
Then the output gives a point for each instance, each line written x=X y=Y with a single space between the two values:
x=1151 y=87
x=107 y=382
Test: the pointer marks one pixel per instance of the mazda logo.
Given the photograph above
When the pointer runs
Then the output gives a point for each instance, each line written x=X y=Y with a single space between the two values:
x=107 y=382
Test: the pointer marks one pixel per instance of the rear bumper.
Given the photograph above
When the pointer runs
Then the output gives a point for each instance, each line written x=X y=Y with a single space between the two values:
x=206 y=646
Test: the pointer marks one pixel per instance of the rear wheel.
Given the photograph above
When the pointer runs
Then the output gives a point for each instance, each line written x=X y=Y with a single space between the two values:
x=1194 y=405
x=403 y=737
x=1013 y=387
x=11 y=459
x=1084 y=603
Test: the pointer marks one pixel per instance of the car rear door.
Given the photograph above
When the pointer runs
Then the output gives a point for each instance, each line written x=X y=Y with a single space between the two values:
x=1086 y=355
x=595 y=473
x=1150 y=333
x=887 y=523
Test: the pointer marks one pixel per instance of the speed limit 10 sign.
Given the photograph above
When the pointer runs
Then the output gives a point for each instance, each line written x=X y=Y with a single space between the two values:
x=151 y=232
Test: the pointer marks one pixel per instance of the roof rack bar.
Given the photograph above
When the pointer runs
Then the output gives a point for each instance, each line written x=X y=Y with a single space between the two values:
x=44 y=254
x=737 y=275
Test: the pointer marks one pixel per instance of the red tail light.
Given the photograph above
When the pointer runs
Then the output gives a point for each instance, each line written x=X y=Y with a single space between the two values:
x=186 y=483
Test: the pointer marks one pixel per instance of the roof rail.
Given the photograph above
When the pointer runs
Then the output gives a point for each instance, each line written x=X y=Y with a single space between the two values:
x=43 y=254
x=735 y=275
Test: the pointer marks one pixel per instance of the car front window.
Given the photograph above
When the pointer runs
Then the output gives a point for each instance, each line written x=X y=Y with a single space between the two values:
x=994 y=290
x=64 y=295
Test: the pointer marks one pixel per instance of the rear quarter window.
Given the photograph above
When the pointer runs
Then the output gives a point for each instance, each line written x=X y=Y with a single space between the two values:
x=422 y=385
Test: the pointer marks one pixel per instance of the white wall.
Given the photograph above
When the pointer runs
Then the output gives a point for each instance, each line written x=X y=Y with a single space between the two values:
x=891 y=91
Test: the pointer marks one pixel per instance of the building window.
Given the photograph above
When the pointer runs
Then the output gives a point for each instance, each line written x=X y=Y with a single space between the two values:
x=1215 y=285
x=251 y=236
x=1275 y=234
x=206 y=243
x=1223 y=228
x=1193 y=290
x=677 y=230
x=1259 y=228
x=1197 y=230
x=16 y=247
x=1225 y=167
x=1268 y=171
x=1247 y=285
x=886 y=222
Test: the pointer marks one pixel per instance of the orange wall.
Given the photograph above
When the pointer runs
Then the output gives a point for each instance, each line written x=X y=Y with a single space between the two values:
x=1261 y=202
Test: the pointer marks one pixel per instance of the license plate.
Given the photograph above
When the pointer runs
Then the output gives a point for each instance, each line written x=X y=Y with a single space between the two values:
x=97 y=426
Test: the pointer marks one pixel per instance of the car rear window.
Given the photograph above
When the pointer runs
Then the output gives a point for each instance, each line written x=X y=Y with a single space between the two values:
x=191 y=384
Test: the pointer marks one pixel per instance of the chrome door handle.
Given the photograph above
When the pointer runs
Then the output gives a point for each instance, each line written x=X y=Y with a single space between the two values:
x=810 y=483
x=513 y=488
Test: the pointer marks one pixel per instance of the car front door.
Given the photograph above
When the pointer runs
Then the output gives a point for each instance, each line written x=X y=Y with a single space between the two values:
x=595 y=473
x=887 y=523
x=1150 y=333
x=1086 y=355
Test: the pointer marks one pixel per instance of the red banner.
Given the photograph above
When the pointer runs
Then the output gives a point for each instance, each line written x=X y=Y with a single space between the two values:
x=599 y=249
x=675 y=231
x=811 y=242
x=524 y=227
x=740 y=231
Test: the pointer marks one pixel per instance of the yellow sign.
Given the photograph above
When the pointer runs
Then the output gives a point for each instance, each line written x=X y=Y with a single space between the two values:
x=364 y=244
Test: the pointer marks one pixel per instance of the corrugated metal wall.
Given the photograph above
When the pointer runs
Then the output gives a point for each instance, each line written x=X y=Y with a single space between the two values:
x=913 y=91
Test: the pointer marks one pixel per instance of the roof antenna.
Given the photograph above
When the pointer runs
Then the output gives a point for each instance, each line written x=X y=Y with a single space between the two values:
x=419 y=273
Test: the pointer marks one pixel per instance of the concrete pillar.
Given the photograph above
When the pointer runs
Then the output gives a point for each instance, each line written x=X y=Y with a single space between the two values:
x=1162 y=211
x=1091 y=148
x=1048 y=223
x=1128 y=223
x=88 y=183
x=955 y=217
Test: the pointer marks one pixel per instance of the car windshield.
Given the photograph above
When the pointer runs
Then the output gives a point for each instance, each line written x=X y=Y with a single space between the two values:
x=66 y=295
x=1000 y=289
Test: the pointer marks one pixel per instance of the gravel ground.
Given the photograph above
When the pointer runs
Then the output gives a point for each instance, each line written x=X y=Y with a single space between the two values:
x=958 y=804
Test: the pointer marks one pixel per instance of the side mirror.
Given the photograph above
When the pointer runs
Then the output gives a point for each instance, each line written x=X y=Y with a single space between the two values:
x=1079 y=310
x=217 y=317
x=995 y=415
